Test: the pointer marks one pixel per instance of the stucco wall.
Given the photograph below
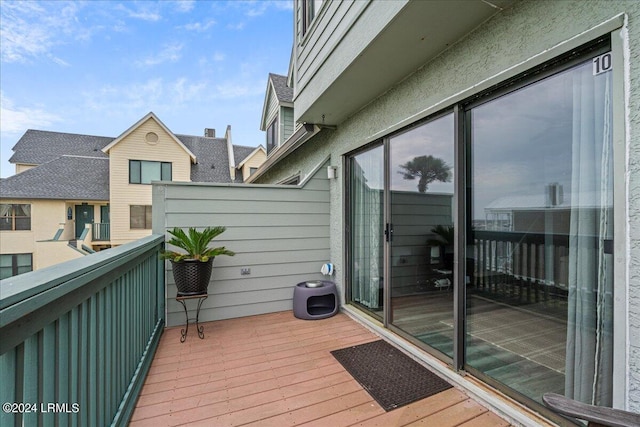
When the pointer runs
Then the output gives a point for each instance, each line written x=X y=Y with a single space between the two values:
x=524 y=31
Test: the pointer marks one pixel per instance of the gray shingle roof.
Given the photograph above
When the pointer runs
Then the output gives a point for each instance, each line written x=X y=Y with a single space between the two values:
x=240 y=152
x=212 y=156
x=283 y=92
x=67 y=177
x=73 y=166
x=38 y=146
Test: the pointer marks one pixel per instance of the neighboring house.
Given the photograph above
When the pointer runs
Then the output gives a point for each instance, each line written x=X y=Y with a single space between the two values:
x=434 y=115
x=74 y=194
x=277 y=112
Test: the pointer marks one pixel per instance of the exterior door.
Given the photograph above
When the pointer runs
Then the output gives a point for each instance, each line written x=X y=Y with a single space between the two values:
x=84 y=215
x=421 y=215
x=366 y=229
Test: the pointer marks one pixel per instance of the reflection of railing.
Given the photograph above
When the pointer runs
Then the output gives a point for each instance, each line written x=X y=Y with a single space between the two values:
x=101 y=232
x=528 y=266
x=81 y=335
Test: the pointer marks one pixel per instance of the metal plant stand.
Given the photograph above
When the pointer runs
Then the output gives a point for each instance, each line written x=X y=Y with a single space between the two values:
x=200 y=329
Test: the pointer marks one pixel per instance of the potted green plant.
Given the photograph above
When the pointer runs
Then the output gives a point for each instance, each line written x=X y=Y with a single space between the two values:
x=192 y=268
x=444 y=239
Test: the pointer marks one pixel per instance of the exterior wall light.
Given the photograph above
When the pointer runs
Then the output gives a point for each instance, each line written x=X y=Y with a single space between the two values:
x=332 y=172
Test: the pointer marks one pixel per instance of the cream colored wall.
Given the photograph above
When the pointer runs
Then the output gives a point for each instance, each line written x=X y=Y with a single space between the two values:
x=46 y=216
x=21 y=168
x=255 y=161
x=54 y=252
x=123 y=194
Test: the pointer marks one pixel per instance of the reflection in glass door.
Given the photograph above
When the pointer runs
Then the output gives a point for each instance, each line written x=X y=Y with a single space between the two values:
x=421 y=248
x=366 y=223
x=539 y=308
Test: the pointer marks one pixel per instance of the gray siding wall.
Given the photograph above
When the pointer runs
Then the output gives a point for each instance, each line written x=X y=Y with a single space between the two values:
x=280 y=232
x=272 y=108
x=324 y=48
x=525 y=31
x=286 y=123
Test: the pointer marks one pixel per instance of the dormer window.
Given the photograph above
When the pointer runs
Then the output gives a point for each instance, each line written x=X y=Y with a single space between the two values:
x=272 y=135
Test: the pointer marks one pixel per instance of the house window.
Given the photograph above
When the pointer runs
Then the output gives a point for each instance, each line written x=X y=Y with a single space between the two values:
x=140 y=217
x=252 y=171
x=14 y=264
x=272 y=135
x=143 y=171
x=310 y=9
x=15 y=217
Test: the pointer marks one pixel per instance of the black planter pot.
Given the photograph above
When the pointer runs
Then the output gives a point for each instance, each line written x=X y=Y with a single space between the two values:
x=192 y=276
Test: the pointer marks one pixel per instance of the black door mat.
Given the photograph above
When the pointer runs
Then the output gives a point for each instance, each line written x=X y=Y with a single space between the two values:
x=391 y=377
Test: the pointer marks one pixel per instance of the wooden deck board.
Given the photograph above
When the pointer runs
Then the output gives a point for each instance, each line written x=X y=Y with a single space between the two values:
x=276 y=370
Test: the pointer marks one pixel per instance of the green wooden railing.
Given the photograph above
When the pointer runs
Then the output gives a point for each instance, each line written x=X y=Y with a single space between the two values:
x=77 y=338
x=101 y=231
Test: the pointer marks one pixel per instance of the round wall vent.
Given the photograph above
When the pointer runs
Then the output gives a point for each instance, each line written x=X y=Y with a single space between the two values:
x=151 y=138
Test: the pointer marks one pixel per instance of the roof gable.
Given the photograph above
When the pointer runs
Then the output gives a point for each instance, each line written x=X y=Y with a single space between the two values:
x=150 y=116
x=247 y=157
x=276 y=87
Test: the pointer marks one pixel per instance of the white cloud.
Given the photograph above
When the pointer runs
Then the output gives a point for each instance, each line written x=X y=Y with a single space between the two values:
x=259 y=7
x=183 y=92
x=219 y=56
x=238 y=88
x=21 y=39
x=237 y=26
x=169 y=53
x=15 y=119
x=199 y=26
x=185 y=5
x=32 y=30
x=255 y=8
x=151 y=95
x=145 y=11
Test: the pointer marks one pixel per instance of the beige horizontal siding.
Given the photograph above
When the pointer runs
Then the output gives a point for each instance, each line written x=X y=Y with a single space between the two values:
x=123 y=194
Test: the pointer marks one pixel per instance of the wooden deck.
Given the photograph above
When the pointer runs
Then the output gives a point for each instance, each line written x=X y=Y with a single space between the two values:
x=276 y=370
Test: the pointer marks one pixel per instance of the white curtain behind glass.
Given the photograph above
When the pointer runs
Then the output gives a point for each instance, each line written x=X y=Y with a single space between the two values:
x=590 y=301
x=366 y=226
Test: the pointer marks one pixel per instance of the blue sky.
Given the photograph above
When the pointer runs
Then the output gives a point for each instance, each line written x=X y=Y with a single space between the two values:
x=97 y=67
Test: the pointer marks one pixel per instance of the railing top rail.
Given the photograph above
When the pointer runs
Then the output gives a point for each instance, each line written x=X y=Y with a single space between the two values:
x=521 y=237
x=74 y=273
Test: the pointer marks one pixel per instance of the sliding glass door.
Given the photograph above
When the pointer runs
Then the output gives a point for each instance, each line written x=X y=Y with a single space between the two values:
x=539 y=311
x=421 y=217
x=528 y=306
x=366 y=191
